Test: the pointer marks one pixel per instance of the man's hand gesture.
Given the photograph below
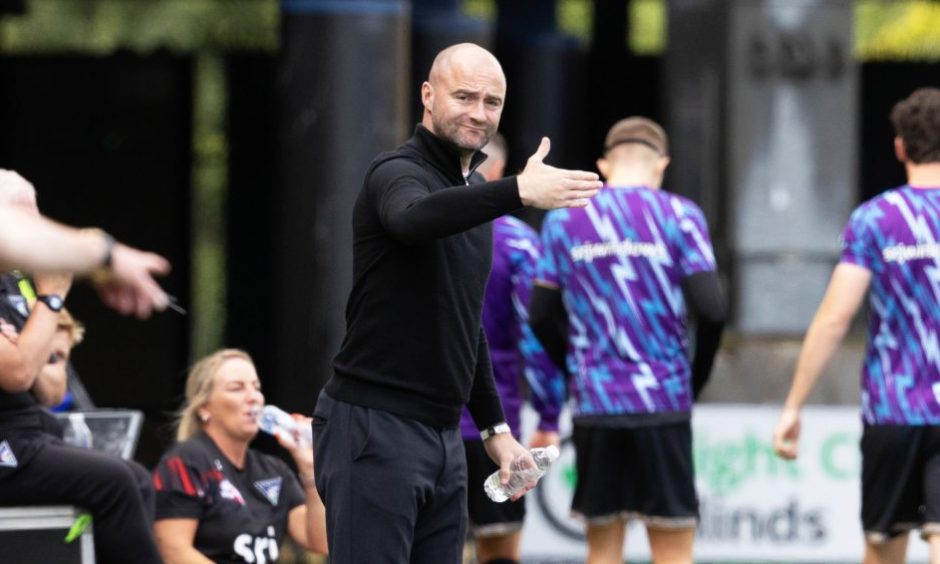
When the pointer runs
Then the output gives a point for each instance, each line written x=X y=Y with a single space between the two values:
x=128 y=285
x=546 y=187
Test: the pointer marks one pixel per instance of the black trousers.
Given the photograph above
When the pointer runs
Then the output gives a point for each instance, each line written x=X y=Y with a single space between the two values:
x=395 y=489
x=118 y=493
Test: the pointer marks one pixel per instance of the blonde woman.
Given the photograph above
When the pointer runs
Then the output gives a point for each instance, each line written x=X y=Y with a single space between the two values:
x=217 y=499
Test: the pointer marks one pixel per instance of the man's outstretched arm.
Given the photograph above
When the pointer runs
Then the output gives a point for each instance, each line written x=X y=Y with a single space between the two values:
x=415 y=214
x=123 y=275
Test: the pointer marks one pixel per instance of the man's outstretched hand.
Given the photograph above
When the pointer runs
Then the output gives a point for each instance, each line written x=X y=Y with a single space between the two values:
x=129 y=286
x=546 y=187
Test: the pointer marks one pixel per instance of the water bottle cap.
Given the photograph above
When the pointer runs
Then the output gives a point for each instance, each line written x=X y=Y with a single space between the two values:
x=552 y=452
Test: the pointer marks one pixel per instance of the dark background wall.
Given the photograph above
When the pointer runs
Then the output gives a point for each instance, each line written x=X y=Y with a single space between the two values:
x=883 y=84
x=106 y=143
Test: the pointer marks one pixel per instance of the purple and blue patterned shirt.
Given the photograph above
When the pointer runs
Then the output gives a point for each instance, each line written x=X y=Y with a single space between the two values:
x=619 y=264
x=514 y=350
x=896 y=236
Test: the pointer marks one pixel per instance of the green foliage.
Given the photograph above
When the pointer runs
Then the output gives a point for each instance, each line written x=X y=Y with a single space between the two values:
x=207 y=218
x=482 y=9
x=647 y=27
x=102 y=26
x=884 y=29
x=897 y=30
x=575 y=18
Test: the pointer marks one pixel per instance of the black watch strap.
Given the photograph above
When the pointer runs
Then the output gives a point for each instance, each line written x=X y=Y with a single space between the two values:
x=52 y=301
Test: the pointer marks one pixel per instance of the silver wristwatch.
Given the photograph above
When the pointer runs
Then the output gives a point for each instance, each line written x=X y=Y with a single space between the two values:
x=495 y=430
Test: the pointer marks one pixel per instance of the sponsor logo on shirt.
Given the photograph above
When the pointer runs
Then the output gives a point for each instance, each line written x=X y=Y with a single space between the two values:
x=228 y=491
x=257 y=550
x=902 y=253
x=590 y=251
x=7 y=458
x=270 y=489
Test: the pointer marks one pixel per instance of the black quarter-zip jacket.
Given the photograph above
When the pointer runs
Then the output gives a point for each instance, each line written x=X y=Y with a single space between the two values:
x=422 y=252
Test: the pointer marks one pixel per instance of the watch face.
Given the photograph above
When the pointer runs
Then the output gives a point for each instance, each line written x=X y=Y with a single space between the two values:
x=53 y=301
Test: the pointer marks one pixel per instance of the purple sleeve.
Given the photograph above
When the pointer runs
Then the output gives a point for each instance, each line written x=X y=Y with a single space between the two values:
x=547 y=268
x=857 y=247
x=695 y=245
x=546 y=382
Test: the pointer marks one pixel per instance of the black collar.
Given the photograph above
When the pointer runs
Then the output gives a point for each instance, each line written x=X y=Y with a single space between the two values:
x=442 y=154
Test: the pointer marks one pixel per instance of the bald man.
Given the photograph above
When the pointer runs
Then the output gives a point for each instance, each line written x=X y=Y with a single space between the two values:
x=389 y=455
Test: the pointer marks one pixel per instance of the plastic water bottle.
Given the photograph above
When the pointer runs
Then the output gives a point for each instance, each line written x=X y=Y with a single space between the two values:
x=520 y=476
x=277 y=422
x=77 y=432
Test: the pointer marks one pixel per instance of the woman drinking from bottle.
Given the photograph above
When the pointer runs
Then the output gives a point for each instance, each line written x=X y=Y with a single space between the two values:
x=219 y=500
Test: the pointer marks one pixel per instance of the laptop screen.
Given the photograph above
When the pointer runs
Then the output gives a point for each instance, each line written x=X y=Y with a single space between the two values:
x=112 y=430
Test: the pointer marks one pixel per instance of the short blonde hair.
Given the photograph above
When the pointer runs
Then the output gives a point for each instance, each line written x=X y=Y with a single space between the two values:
x=198 y=388
x=72 y=326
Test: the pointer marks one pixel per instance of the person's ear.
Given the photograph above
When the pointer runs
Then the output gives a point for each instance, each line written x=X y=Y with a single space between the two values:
x=900 y=151
x=661 y=164
x=603 y=166
x=427 y=96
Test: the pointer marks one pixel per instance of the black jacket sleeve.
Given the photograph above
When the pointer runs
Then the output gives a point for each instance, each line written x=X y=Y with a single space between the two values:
x=484 y=404
x=707 y=301
x=549 y=321
x=414 y=213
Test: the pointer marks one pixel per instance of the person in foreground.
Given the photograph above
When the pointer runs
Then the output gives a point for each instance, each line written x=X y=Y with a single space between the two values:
x=390 y=460
x=217 y=500
x=122 y=275
x=610 y=303
x=890 y=252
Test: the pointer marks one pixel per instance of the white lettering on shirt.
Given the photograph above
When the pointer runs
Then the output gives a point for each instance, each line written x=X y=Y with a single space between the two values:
x=590 y=251
x=902 y=253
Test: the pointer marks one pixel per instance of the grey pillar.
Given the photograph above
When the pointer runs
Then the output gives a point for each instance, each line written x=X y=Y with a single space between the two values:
x=768 y=119
x=341 y=98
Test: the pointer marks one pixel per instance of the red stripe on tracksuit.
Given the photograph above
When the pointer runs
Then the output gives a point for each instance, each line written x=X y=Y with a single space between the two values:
x=176 y=466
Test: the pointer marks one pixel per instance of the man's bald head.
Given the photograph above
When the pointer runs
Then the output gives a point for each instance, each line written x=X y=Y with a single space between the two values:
x=468 y=55
x=17 y=191
x=463 y=96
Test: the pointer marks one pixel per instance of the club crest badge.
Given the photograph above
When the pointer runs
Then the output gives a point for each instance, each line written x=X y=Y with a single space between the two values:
x=7 y=458
x=19 y=303
x=270 y=489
